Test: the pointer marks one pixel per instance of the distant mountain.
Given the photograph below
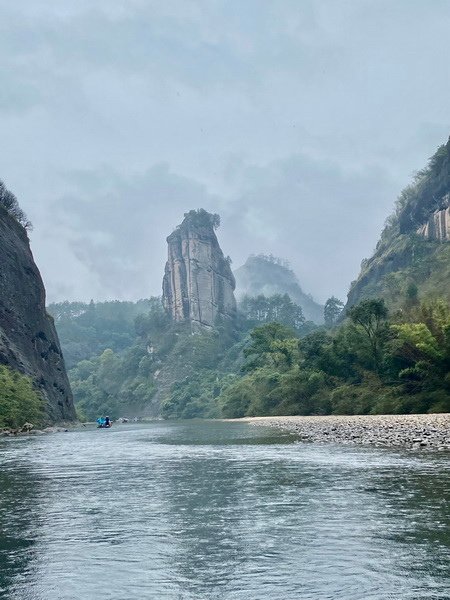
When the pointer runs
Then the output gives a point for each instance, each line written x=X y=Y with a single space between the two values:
x=412 y=258
x=269 y=275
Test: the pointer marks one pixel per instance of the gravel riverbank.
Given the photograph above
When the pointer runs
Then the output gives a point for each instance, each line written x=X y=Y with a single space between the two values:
x=427 y=432
x=24 y=431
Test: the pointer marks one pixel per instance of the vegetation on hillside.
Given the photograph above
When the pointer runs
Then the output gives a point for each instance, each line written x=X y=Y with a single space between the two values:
x=124 y=357
x=108 y=353
x=427 y=193
x=403 y=259
x=370 y=364
x=374 y=362
x=20 y=403
x=86 y=330
x=10 y=203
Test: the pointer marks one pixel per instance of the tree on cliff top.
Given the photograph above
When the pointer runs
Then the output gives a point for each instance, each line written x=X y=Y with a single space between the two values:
x=202 y=217
x=429 y=192
x=11 y=205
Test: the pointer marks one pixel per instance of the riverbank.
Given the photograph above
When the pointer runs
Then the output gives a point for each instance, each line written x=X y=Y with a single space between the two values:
x=428 y=432
x=31 y=431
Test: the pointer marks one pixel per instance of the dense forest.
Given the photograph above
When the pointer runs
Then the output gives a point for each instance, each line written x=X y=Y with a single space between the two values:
x=373 y=362
x=124 y=358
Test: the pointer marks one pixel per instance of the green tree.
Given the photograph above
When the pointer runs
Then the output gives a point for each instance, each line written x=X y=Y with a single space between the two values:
x=264 y=347
x=371 y=316
x=412 y=295
x=19 y=401
x=268 y=309
x=9 y=202
x=332 y=309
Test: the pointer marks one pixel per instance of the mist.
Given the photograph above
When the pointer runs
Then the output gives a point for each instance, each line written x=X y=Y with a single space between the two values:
x=298 y=122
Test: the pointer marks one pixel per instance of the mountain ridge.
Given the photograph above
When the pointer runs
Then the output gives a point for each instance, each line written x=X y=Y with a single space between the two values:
x=412 y=255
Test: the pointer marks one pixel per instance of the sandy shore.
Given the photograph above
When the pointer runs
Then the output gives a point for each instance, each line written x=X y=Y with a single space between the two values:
x=428 y=432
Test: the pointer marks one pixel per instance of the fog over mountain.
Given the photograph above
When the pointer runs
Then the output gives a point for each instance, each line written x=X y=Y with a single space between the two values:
x=298 y=122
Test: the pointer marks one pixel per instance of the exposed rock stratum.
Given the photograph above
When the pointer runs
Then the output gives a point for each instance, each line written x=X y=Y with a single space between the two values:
x=438 y=225
x=198 y=283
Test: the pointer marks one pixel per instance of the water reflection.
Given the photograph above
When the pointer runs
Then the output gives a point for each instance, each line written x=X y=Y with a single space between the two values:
x=19 y=517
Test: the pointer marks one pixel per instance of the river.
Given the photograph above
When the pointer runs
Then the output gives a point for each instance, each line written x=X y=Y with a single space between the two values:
x=219 y=511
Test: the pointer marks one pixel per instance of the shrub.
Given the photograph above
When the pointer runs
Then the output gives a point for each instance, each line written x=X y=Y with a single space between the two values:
x=19 y=401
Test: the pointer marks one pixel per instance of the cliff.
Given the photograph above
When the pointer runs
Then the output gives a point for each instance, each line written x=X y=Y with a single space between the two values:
x=437 y=227
x=198 y=283
x=28 y=340
x=268 y=275
x=413 y=254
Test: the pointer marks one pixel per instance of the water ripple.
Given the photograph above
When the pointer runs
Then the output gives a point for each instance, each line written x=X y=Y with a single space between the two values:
x=219 y=511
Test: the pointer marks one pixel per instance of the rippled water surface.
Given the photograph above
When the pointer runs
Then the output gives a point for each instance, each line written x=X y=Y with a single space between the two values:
x=215 y=511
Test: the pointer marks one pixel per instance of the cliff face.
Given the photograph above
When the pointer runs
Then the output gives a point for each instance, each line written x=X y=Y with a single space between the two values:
x=28 y=340
x=198 y=283
x=411 y=253
x=438 y=225
x=268 y=275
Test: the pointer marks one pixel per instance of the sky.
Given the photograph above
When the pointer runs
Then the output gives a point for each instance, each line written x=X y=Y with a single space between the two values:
x=298 y=121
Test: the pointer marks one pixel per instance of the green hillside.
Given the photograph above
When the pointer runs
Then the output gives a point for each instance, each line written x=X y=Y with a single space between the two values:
x=412 y=257
x=131 y=359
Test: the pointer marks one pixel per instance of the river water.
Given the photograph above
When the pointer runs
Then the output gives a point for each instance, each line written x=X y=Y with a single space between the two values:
x=219 y=511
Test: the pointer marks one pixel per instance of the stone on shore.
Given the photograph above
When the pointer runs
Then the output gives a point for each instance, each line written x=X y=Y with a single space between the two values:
x=427 y=431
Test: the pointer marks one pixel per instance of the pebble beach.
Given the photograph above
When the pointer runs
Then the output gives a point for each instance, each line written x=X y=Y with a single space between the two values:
x=426 y=432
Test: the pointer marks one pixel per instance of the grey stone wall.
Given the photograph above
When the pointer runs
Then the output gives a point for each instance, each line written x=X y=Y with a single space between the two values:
x=438 y=226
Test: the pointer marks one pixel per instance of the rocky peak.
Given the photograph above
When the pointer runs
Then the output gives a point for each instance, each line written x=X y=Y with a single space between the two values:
x=198 y=283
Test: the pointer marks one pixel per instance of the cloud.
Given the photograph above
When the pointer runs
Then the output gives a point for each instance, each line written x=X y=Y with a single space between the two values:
x=111 y=231
x=320 y=217
x=308 y=211
x=299 y=122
